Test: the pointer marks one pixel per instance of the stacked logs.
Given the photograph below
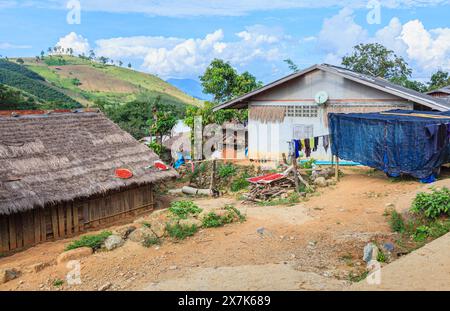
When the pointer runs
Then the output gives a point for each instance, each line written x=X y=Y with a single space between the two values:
x=264 y=192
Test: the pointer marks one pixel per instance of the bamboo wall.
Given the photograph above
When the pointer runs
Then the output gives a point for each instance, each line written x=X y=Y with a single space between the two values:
x=55 y=222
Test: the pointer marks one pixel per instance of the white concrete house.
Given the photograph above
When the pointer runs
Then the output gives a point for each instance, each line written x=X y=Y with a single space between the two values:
x=297 y=106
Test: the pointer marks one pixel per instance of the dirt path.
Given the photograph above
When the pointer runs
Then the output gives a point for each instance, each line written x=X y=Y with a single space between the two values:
x=312 y=245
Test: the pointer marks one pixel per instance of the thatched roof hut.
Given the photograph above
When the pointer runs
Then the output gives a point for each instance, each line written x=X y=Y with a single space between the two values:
x=57 y=158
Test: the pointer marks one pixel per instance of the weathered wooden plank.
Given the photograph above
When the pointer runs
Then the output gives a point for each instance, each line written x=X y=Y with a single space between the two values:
x=131 y=198
x=69 y=225
x=75 y=218
x=37 y=225
x=12 y=232
x=44 y=222
x=85 y=213
x=55 y=222
x=61 y=221
x=19 y=229
x=4 y=234
x=28 y=228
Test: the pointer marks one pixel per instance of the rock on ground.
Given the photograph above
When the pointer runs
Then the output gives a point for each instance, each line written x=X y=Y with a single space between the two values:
x=124 y=232
x=113 y=242
x=74 y=254
x=190 y=222
x=321 y=182
x=7 y=275
x=139 y=235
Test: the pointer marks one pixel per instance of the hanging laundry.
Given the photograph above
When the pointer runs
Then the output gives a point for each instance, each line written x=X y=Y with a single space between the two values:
x=311 y=143
x=307 y=147
x=316 y=144
x=326 y=142
x=297 y=148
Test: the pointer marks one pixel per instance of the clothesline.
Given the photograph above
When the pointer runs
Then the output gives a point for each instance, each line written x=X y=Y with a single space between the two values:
x=308 y=145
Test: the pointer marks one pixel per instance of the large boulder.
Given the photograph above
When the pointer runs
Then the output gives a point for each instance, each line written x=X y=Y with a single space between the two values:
x=113 y=242
x=321 y=182
x=124 y=232
x=74 y=254
x=190 y=222
x=7 y=275
x=139 y=235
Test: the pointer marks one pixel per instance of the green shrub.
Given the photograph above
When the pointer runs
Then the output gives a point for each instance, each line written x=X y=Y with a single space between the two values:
x=92 y=241
x=381 y=257
x=58 y=282
x=439 y=228
x=149 y=241
x=234 y=210
x=432 y=205
x=292 y=198
x=180 y=232
x=212 y=220
x=421 y=233
x=239 y=184
x=396 y=222
x=226 y=170
x=182 y=209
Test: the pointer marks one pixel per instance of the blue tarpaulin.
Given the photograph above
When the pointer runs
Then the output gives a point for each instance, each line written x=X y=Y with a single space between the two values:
x=395 y=143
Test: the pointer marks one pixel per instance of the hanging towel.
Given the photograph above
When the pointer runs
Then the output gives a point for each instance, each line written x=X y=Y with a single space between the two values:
x=316 y=144
x=326 y=142
x=307 y=147
x=297 y=147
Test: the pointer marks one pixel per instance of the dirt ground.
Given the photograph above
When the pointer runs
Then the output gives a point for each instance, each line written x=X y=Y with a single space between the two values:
x=313 y=245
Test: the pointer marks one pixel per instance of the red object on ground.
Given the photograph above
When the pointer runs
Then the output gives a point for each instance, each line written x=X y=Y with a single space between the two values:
x=161 y=166
x=266 y=178
x=124 y=173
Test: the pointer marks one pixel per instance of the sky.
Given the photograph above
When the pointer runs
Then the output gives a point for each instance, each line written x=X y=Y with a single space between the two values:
x=179 y=38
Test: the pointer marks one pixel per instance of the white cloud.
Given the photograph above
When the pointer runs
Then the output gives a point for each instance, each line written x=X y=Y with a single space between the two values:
x=9 y=46
x=339 y=34
x=214 y=7
x=77 y=42
x=427 y=50
x=171 y=57
x=133 y=46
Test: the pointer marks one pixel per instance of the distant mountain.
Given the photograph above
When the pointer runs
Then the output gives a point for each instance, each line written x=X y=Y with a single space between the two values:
x=191 y=87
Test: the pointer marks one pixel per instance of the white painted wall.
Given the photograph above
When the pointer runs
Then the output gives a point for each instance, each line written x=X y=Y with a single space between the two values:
x=267 y=141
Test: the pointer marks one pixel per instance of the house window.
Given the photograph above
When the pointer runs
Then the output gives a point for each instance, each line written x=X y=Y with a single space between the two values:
x=302 y=111
x=302 y=131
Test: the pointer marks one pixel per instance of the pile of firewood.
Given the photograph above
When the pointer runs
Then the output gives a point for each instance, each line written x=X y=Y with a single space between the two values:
x=265 y=192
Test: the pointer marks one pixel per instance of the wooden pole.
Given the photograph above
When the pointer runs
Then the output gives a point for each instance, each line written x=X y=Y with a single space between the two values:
x=337 y=169
x=213 y=176
x=296 y=179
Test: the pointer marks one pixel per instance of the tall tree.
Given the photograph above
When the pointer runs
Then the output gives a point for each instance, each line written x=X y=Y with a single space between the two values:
x=292 y=66
x=376 y=60
x=439 y=79
x=223 y=82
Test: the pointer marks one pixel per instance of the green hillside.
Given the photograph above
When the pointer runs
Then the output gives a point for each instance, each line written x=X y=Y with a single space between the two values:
x=89 y=82
x=18 y=83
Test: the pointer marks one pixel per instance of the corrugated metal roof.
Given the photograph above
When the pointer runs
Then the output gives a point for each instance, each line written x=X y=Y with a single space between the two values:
x=377 y=83
x=445 y=89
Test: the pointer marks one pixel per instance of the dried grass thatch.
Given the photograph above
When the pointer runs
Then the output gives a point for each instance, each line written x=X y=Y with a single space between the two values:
x=267 y=114
x=49 y=159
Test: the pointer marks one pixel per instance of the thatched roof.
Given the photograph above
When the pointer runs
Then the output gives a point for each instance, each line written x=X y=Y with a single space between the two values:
x=58 y=157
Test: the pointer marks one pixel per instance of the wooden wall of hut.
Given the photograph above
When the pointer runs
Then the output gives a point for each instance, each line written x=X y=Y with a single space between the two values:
x=21 y=230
